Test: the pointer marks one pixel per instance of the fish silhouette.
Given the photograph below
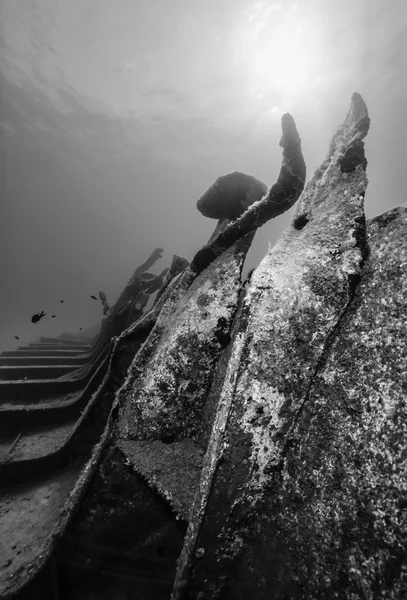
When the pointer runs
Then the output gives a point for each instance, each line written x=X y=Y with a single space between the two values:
x=37 y=317
x=61 y=301
x=16 y=336
x=80 y=328
x=53 y=316
x=94 y=297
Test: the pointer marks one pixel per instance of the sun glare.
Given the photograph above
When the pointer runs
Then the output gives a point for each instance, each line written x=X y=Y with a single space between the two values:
x=280 y=53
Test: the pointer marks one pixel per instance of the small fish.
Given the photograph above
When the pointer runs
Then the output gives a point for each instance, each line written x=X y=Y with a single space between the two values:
x=16 y=336
x=53 y=316
x=37 y=317
x=80 y=328
x=94 y=297
x=61 y=301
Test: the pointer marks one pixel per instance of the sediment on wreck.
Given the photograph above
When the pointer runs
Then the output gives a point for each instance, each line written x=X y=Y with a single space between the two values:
x=292 y=307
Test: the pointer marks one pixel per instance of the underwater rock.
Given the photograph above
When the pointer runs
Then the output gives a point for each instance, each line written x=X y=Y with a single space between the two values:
x=291 y=311
x=230 y=196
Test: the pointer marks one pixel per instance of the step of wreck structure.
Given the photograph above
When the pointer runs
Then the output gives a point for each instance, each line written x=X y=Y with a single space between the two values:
x=26 y=351
x=25 y=363
x=62 y=340
x=48 y=346
x=255 y=442
x=47 y=358
x=50 y=426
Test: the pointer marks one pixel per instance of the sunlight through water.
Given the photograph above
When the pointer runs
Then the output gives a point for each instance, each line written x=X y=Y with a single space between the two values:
x=281 y=50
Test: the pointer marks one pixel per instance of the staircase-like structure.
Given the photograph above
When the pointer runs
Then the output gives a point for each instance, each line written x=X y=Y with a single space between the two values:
x=55 y=398
x=44 y=388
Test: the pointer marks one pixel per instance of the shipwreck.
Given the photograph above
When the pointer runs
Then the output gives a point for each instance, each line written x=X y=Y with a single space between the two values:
x=233 y=439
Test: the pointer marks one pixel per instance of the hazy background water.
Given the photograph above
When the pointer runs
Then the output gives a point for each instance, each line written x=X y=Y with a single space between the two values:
x=116 y=115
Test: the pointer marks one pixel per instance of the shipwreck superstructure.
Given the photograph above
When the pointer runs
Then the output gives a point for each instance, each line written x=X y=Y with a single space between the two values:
x=236 y=439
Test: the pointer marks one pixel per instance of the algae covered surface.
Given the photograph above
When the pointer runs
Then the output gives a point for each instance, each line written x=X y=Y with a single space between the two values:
x=304 y=468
